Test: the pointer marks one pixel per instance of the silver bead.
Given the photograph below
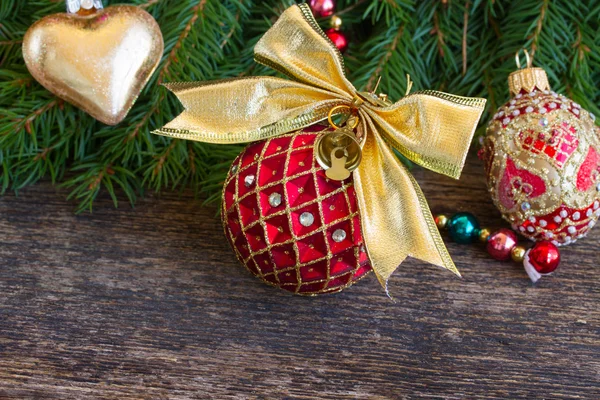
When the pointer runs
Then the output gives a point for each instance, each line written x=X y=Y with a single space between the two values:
x=525 y=206
x=249 y=180
x=598 y=187
x=306 y=219
x=544 y=122
x=275 y=199
x=338 y=235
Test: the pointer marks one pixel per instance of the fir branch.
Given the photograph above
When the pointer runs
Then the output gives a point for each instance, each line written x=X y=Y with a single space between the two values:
x=439 y=34
x=384 y=60
x=538 y=28
x=196 y=11
x=465 y=46
x=25 y=122
x=148 y=4
x=464 y=38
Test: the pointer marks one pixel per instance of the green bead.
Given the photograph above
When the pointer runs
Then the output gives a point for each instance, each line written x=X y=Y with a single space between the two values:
x=463 y=228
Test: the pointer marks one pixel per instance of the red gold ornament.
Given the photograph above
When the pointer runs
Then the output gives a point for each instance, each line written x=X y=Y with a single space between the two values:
x=500 y=244
x=322 y=8
x=288 y=223
x=542 y=259
x=292 y=223
x=542 y=161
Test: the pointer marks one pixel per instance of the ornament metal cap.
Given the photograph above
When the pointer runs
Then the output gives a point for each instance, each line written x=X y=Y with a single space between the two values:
x=527 y=78
x=74 y=6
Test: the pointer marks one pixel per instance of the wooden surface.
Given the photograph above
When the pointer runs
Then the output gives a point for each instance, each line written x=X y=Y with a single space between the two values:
x=150 y=303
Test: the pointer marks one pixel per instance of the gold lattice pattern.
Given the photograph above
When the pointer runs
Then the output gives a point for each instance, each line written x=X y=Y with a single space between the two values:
x=288 y=223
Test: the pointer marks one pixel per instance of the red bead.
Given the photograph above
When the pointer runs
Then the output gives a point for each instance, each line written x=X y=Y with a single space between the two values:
x=500 y=243
x=338 y=38
x=290 y=225
x=543 y=258
x=322 y=8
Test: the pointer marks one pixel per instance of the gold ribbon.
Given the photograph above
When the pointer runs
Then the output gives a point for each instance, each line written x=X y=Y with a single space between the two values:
x=433 y=129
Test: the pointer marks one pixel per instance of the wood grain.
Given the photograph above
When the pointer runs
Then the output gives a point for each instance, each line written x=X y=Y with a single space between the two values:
x=150 y=303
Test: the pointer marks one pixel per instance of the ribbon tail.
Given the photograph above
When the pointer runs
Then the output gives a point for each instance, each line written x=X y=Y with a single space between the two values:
x=296 y=46
x=396 y=220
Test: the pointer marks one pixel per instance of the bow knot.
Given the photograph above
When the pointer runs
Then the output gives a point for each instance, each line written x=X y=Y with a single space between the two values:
x=432 y=129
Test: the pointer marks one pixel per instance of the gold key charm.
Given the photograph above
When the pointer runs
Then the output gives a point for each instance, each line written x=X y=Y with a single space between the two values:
x=338 y=152
x=338 y=170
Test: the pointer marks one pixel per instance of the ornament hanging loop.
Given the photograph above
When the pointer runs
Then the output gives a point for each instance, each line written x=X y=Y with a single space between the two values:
x=527 y=58
x=340 y=107
x=83 y=7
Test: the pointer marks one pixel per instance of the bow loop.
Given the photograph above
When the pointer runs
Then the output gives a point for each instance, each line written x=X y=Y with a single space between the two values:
x=303 y=52
x=431 y=128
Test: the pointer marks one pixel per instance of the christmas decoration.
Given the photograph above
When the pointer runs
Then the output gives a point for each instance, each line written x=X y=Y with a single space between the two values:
x=395 y=220
x=542 y=259
x=289 y=223
x=336 y=35
x=501 y=243
x=210 y=40
x=98 y=59
x=542 y=161
x=322 y=8
x=463 y=227
x=338 y=38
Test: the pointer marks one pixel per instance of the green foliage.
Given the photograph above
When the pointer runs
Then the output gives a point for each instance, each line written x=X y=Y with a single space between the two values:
x=465 y=47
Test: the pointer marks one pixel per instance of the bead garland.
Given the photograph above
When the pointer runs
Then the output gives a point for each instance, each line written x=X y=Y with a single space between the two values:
x=540 y=260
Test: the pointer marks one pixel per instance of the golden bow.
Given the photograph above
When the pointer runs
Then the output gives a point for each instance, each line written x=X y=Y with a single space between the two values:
x=431 y=128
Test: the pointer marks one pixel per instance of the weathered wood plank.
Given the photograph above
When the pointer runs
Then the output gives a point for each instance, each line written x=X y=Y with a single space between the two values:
x=150 y=303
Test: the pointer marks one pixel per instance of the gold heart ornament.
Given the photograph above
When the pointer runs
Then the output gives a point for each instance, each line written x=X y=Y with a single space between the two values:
x=98 y=62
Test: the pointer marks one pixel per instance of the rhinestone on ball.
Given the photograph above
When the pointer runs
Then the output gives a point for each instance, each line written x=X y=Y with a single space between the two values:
x=338 y=235
x=234 y=169
x=306 y=219
x=249 y=180
x=525 y=206
x=275 y=199
x=544 y=122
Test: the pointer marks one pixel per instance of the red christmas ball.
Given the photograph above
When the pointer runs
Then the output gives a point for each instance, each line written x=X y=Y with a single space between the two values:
x=500 y=244
x=288 y=223
x=542 y=259
x=322 y=8
x=542 y=160
x=338 y=38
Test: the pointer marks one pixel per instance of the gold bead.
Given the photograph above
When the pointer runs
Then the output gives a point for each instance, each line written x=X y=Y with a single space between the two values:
x=336 y=22
x=484 y=234
x=441 y=221
x=517 y=254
